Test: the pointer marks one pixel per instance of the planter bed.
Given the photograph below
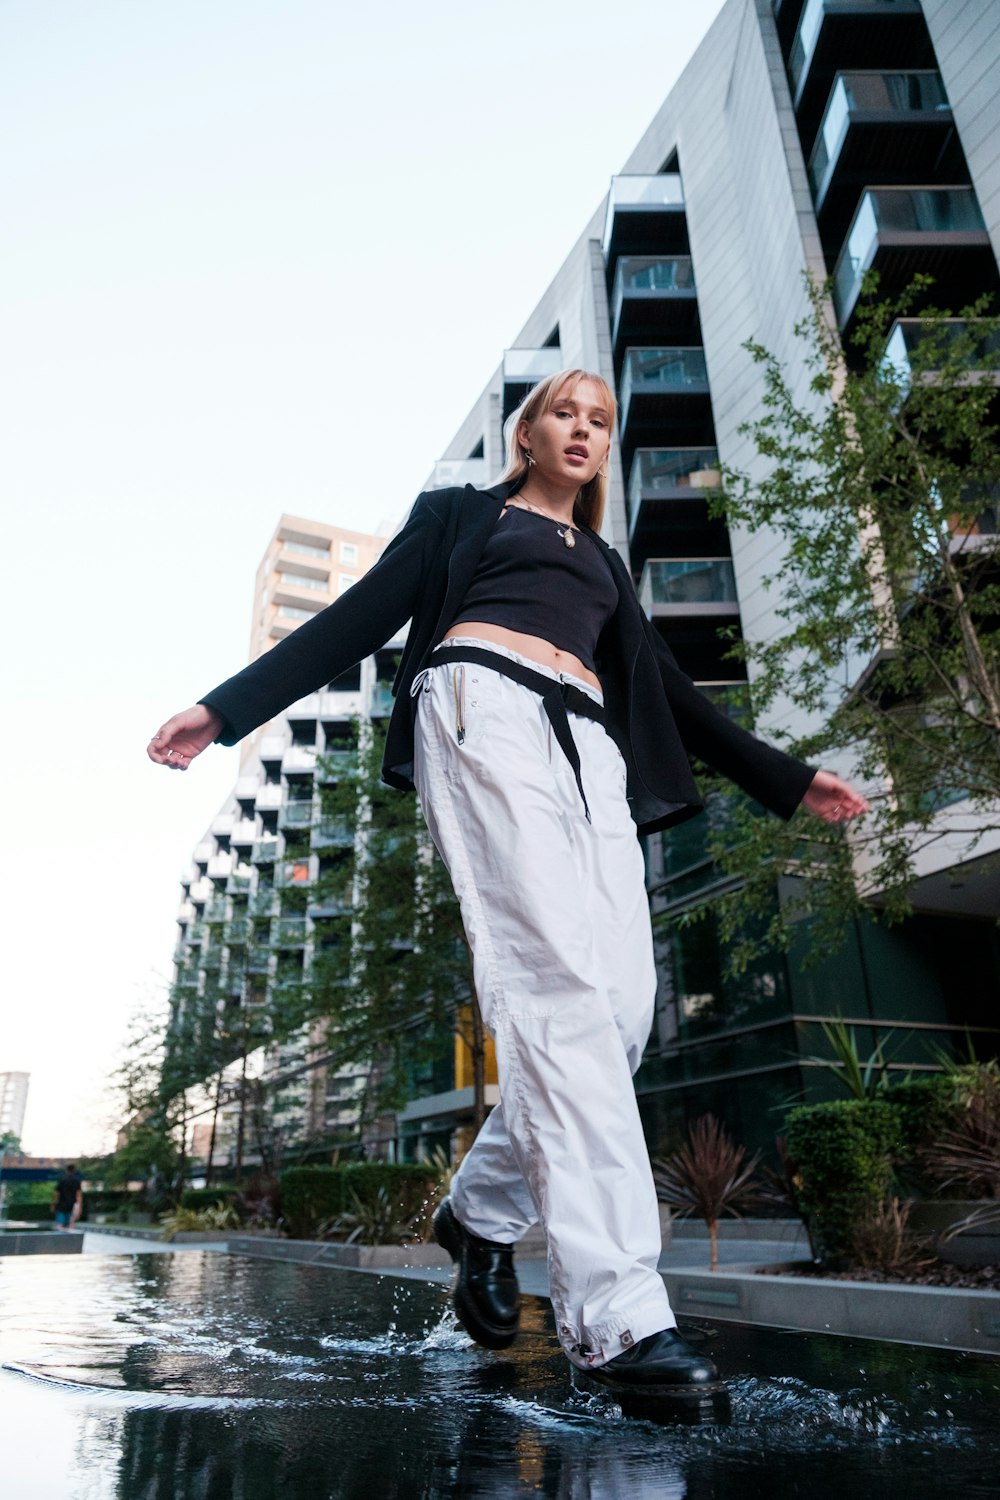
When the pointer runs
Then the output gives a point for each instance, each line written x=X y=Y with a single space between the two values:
x=940 y=1273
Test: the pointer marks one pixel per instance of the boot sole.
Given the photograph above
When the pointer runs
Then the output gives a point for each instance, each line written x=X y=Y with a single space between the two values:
x=490 y=1335
x=667 y=1405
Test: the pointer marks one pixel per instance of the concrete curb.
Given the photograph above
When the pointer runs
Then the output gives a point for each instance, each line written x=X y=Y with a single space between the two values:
x=34 y=1242
x=940 y=1317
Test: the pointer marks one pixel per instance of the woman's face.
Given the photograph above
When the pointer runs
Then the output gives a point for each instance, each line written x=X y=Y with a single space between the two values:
x=570 y=441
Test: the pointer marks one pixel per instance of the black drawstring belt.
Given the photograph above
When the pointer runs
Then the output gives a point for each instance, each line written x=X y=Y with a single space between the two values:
x=559 y=699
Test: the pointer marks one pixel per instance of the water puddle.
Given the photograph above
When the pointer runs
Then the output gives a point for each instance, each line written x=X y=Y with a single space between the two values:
x=172 y=1377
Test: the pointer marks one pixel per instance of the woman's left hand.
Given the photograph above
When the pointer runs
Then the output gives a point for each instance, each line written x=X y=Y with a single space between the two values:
x=833 y=800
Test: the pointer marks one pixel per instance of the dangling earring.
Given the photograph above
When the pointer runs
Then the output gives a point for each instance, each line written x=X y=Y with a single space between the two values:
x=527 y=454
x=603 y=473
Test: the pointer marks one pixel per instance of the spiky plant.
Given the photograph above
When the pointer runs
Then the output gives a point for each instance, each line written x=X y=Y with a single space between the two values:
x=709 y=1176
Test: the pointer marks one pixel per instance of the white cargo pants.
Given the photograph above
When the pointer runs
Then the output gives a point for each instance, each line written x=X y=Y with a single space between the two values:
x=556 y=913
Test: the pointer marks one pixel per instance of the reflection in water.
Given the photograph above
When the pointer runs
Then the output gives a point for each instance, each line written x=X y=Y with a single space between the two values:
x=171 y=1378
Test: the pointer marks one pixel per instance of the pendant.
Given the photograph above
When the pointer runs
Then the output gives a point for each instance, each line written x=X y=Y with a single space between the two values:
x=569 y=540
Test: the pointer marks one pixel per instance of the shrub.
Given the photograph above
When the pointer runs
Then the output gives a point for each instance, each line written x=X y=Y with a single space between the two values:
x=707 y=1175
x=843 y=1152
x=183 y=1220
x=210 y=1197
x=313 y=1196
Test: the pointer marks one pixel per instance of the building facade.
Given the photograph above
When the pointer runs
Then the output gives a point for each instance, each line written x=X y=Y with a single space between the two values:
x=13 y=1102
x=819 y=137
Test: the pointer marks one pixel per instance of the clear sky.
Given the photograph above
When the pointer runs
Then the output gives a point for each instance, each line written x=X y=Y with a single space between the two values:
x=256 y=257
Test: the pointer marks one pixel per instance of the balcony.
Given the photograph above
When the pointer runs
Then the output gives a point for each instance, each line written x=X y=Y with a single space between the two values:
x=653 y=297
x=703 y=586
x=297 y=561
x=269 y=797
x=333 y=833
x=335 y=763
x=645 y=215
x=883 y=128
x=665 y=392
x=666 y=499
x=299 y=759
x=243 y=834
x=258 y=960
x=907 y=335
x=523 y=369
x=201 y=891
x=296 y=815
x=262 y=903
x=219 y=866
x=288 y=932
x=236 y=931
x=211 y=960
x=835 y=35
x=901 y=231
x=265 y=853
x=215 y=909
x=455 y=473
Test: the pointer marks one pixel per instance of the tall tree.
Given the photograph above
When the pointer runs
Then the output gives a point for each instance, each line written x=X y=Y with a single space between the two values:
x=883 y=490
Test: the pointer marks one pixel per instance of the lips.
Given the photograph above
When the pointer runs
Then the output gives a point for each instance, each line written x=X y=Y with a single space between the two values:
x=576 y=452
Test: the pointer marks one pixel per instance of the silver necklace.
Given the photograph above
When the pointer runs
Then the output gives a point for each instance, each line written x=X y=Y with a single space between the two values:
x=569 y=539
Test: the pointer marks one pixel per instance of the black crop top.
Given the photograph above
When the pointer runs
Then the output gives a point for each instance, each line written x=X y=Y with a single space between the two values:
x=529 y=580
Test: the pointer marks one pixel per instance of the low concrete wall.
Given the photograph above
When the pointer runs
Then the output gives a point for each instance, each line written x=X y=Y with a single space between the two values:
x=941 y=1317
x=32 y=1242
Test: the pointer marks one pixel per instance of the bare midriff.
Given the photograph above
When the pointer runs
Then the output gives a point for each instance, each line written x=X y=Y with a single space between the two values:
x=531 y=646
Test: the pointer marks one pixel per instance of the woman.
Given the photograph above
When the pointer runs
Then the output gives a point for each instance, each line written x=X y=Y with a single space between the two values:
x=542 y=720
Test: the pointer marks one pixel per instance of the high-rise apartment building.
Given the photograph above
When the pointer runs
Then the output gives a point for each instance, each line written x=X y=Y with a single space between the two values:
x=805 y=136
x=13 y=1102
x=251 y=914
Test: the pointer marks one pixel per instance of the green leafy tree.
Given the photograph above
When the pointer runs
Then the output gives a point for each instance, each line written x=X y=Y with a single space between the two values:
x=883 y=489
x=396 y=981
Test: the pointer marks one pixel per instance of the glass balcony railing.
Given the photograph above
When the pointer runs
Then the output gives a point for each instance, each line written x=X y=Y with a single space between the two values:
x=382 y=700
x=665 y=470
x=295 y=815
x=332 y=832
x=448 y=472
x=265 y=853
x=632 y=190
x=262 y=903
x=871 y=94
x=521 y=366
x=660 y=371
x=939 y=338
x=648 y=276
x=237 y=930
x=288 y=932
x=926 y=211
x=690 y=582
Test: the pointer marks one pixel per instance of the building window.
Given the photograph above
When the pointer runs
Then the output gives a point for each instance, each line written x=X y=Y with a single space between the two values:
x=349 y=554
x=345 y=582
x=289 y=612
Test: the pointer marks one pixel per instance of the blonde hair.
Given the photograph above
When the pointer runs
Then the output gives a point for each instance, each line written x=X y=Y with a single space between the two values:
x=591 y=498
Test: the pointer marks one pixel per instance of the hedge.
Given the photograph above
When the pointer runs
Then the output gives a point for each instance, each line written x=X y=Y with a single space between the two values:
x=312 y=1195
x=924 y=1107
x=843 y=1154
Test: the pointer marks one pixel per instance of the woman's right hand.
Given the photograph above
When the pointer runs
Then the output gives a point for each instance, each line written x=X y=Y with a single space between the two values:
x=180 y=739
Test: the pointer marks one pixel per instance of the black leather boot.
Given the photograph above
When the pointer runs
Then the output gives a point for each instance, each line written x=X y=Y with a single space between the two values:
x=486 y=1297
x=662 y=1379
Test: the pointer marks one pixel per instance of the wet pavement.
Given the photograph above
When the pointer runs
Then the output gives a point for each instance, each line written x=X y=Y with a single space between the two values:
x=201 y=1376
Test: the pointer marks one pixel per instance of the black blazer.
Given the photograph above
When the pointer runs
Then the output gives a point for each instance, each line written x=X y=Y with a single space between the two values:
x=655 y=713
